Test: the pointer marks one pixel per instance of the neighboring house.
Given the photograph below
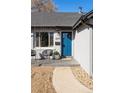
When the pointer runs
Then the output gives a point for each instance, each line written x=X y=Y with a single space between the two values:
x=69 y=33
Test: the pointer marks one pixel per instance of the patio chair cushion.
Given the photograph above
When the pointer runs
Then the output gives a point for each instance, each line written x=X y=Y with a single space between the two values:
x=47 y=52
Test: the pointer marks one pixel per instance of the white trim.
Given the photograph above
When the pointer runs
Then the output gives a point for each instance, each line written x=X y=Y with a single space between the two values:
x=61 y=43
x=39 y=39
x=72 y=43
x=43 y=48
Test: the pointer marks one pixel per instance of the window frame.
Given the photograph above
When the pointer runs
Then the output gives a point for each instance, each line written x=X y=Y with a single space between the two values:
x=39 y=39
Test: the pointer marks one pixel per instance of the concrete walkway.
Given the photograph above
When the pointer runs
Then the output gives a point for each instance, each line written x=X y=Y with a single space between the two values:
x=65 y=82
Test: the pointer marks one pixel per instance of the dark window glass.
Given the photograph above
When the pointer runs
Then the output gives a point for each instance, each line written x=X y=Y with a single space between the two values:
x=51 y=38
x=45 y=39
x=37 y=39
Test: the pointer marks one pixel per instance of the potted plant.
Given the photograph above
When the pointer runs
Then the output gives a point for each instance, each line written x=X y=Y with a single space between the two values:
x=56 y=55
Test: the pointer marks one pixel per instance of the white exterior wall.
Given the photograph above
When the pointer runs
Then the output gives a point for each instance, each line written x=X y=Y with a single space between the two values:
x=57 y=38
x=31 y=40
x=83 y=48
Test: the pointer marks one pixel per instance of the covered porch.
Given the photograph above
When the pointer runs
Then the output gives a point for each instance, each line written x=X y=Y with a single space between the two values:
x=55 y=39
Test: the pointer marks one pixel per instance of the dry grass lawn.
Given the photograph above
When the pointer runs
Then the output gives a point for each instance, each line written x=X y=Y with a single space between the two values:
x=41 y=80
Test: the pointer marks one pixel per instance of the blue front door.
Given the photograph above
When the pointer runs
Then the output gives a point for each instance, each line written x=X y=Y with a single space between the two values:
x=66 y=44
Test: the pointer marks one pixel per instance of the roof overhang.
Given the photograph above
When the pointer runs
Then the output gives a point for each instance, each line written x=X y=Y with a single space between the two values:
x=48 y=28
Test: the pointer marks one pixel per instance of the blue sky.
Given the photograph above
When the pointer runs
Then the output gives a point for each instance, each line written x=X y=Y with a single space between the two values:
x=72 y=5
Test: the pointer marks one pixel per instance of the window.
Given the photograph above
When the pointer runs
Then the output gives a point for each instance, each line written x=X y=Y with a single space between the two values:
x=44 y=39
x=37 y=39
x=51 y=38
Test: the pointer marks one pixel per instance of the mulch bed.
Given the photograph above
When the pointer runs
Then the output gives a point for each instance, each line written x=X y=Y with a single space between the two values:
x=82 y=76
